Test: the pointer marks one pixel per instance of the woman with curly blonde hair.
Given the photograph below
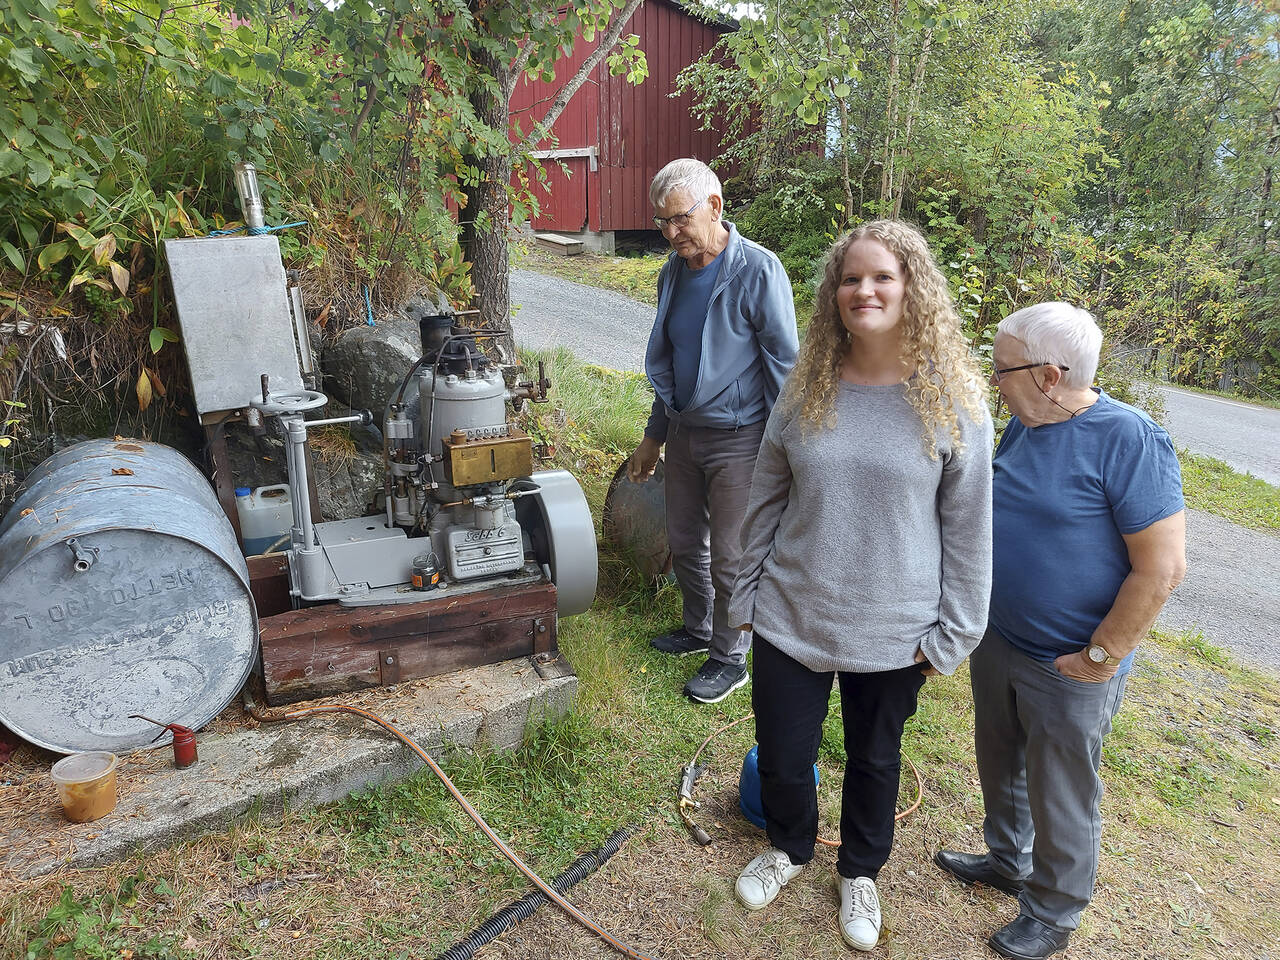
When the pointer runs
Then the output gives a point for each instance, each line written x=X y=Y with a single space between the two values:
x=866 y=552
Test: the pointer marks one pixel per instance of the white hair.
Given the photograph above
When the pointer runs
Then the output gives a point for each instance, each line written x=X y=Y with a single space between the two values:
x=1060 y=334
x=692 y=176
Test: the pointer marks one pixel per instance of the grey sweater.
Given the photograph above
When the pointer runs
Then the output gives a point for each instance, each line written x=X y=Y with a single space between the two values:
x=858 y=549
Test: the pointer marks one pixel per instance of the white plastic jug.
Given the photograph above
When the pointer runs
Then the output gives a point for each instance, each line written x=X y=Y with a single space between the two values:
x=266 y=518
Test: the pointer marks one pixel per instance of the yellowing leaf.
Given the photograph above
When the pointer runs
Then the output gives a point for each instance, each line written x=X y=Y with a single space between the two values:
x=79 y=234
x=157 y=385
x=120 y=276
x=104 y=249
x=143 y=389
x=52 y=254
x=121 y=472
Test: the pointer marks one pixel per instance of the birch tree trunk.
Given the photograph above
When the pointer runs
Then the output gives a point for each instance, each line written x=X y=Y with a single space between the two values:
x=913 y=107
x=890 y=111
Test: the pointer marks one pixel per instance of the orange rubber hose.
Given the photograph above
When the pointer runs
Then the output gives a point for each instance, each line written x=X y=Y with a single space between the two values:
x=507 y=852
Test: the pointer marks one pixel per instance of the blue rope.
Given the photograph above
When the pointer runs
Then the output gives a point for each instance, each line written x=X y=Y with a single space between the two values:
x=368 y=307
x=257 y=231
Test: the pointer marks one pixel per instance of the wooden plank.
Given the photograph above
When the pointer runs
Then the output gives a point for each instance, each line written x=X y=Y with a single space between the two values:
x=331 y=649
x=215 y=435
x=269 y=583
x=564 y=246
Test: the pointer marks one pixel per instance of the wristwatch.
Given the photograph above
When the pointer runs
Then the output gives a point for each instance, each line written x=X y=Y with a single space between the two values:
x=1098 y=654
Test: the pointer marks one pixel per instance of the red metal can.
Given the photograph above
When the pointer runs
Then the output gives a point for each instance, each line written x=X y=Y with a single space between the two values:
x=184 y=746
x=184 y=740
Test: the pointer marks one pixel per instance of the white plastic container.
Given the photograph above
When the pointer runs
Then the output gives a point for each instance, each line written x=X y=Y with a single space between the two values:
x=266 y=518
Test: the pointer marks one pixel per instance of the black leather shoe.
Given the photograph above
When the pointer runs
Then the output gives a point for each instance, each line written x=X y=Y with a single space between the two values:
x=680 y=642
x=975 y=868
x=1028 y=939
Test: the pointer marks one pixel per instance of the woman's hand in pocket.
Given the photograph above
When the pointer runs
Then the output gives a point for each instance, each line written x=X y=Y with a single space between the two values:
x=930 y=670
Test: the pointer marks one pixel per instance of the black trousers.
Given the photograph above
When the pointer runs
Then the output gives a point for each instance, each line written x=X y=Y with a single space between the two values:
x=790 y=703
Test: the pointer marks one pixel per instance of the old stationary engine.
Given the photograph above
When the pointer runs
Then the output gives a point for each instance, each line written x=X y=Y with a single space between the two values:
x=463 y=505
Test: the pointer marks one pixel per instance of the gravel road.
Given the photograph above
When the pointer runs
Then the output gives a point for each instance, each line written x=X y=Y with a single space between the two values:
x=599 y=326
x=1232 y=590
x=1242 y=434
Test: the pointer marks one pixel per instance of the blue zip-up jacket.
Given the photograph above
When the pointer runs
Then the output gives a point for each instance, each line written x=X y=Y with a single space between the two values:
x=749 y=343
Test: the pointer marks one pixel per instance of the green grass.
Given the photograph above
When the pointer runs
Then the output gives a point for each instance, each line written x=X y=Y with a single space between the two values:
x=635 y=276
x=400 y=871
x=607 y=409
x=1209 y=484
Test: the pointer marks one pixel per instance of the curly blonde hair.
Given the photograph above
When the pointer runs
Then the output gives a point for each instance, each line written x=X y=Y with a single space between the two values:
x=944 y=374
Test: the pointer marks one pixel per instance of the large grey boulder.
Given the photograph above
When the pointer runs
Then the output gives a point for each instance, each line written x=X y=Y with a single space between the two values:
x=364 y=366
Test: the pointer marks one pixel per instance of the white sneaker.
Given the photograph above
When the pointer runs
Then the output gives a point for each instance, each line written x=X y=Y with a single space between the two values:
x=764 y=877
x=859 y=912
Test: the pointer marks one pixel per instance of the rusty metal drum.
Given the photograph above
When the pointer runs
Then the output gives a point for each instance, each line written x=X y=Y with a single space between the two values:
x=635 y=519
x=122 y=591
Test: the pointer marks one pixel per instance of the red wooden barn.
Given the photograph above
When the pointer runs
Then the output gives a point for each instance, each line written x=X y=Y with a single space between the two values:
x=614 y=136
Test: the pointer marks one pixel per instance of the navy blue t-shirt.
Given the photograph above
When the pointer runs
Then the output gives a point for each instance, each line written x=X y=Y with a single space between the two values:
x=1062 y=496
x=685 y=322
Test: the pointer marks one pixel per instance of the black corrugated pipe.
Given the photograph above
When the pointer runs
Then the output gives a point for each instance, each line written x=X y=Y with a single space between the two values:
x=523 y=908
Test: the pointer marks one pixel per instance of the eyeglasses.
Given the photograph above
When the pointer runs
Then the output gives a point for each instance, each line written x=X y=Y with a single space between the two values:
x=999 y=372
x=680 y=219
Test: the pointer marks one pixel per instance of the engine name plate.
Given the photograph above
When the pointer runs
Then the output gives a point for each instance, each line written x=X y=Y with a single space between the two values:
x=481 y=553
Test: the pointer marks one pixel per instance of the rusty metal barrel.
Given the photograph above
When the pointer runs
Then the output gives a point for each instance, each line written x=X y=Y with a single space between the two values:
x=635 y=519
x=122 y=591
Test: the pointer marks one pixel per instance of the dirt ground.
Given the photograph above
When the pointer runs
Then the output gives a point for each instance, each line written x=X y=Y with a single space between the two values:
x=668 y=898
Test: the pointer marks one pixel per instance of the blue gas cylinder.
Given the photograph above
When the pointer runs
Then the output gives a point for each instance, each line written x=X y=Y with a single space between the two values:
x=749 y=788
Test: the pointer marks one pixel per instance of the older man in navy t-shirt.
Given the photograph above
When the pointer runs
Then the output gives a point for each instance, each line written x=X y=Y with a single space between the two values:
x=1088 y=531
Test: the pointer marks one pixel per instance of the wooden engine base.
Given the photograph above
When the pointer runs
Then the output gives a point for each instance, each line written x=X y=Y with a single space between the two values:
x=330 y=649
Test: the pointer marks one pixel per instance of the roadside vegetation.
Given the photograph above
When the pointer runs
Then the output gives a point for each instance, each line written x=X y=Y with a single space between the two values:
x=1190 y=868
x=1271 y=400
x=1209 y=484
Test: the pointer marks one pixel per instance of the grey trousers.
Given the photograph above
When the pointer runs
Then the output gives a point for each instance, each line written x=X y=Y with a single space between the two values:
x=708 y=480
x=1038 y=737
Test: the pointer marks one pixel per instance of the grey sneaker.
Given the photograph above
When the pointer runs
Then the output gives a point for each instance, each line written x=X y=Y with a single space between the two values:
x=764 y=877
x=859 y=912
x=680 y=642
x=715 y=680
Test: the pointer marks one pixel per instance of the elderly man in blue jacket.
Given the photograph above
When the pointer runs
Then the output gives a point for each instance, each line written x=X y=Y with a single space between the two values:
x=723 y=343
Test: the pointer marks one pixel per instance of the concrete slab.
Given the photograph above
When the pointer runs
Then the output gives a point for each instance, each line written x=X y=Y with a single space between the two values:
x=266 y=768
